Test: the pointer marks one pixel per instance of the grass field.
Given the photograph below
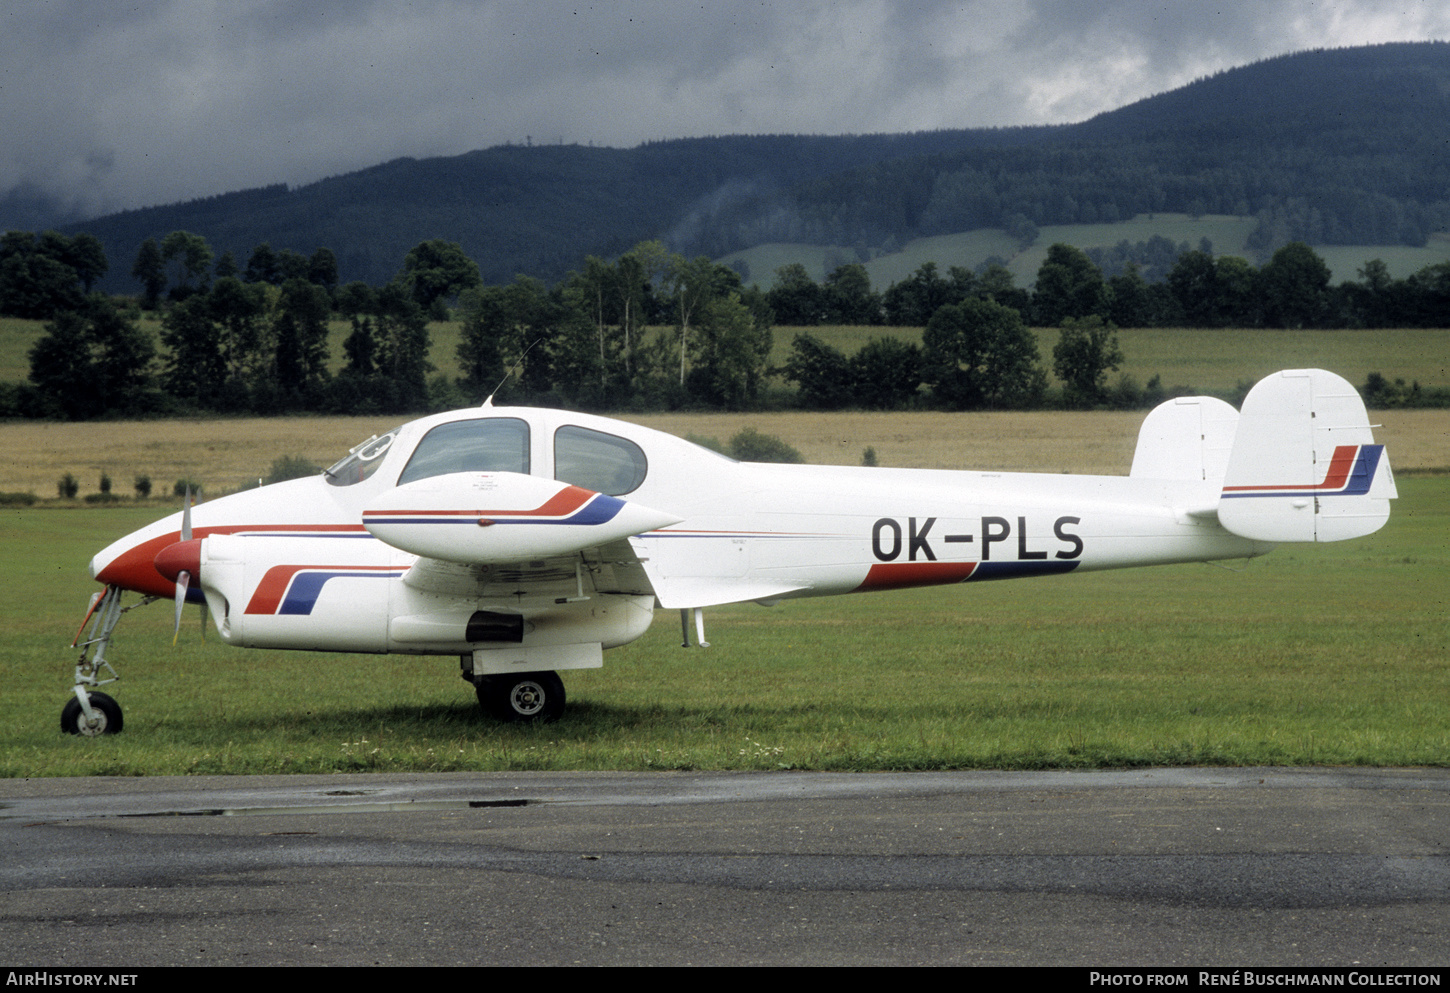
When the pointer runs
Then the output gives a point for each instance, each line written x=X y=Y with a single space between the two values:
x=1332 y=654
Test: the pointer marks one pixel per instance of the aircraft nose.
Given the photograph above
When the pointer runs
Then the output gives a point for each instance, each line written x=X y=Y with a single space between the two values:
x=179 y=557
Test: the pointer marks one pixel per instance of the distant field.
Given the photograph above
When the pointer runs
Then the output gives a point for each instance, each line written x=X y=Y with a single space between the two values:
x=1215 y=360
x=225 y=455
x=972 y=248
x=16 y=338
x=1344 y=261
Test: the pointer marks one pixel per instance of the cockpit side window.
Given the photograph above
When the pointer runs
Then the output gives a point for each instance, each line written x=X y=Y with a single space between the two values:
x=597 y=461
x=362 y=461
x=491 y=444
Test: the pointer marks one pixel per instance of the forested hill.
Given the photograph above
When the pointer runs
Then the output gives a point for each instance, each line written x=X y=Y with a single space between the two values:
x=1340 y=91
x=1347 y=146
x=523 y=209
x=1350 y=146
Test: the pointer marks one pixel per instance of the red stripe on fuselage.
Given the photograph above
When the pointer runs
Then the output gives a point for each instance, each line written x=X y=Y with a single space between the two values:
x=902 y=575
x=267 y=597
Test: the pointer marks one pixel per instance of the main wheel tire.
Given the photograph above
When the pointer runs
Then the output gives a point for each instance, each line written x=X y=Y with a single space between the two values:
x=523 y=698
x=107 y=716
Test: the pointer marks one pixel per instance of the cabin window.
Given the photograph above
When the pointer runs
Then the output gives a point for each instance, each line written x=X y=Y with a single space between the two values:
x=361 y=461
x=492 y=444
x=597 y=461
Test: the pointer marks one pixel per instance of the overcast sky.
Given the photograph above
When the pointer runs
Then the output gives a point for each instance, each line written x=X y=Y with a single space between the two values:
x=113 y=104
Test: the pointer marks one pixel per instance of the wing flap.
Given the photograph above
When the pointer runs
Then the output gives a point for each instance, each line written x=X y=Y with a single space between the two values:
x=702 y=591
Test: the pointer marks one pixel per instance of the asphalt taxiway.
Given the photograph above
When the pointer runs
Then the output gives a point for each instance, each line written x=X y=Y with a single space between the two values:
x=1186 y=867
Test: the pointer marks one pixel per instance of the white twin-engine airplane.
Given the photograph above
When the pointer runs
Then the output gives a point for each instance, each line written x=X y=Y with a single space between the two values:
x=526 y=541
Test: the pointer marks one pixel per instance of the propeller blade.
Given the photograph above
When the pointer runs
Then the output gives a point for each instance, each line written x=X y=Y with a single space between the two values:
x=183 y=578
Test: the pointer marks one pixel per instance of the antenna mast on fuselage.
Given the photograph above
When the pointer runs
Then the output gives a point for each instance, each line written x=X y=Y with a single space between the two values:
x=488 y=401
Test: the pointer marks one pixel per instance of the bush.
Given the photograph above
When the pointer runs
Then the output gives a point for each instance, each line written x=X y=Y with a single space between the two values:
x=182 y=485
x=17 y=499
x=1381 y=394
x=752 y=446
x=67 y=487
x=143 y=487
x=1128 y=395
x=290 y=467
x=707 y=442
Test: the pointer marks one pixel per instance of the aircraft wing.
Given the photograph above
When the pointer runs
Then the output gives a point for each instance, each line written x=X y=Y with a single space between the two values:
x=500 y=535
x=704 y=572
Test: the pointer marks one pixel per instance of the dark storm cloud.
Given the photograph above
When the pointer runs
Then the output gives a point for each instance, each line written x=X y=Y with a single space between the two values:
x=117 y=105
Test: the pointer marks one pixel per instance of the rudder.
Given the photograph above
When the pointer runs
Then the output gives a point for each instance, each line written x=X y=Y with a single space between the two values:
x=1304 y=465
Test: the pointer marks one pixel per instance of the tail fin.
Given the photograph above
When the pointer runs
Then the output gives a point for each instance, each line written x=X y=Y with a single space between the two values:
x=1187 y=438
x=1304 y=465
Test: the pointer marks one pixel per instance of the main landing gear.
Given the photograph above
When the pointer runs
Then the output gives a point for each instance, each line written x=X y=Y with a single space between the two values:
x=522 y=697
x=92 y=713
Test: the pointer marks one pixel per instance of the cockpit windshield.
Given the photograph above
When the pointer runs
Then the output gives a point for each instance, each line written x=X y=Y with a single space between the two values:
x=361 y=461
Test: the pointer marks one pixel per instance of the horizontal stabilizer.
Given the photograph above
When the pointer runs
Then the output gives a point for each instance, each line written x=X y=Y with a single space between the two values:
x=1304 y=465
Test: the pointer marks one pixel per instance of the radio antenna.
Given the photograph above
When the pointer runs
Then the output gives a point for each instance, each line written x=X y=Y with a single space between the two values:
x=512 y=369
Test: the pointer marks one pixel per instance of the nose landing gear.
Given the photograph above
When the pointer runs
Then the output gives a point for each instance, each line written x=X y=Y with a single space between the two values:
x=92 y=713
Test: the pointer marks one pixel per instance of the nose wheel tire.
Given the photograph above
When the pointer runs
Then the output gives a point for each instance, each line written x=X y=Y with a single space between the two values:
x=106 y=716
x=522 y=698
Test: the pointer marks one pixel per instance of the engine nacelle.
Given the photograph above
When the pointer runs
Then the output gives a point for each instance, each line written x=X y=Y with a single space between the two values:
x=492 y=517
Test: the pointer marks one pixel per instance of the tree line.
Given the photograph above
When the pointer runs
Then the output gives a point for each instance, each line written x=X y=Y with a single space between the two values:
x=976 y=350
x=648 y=330
x=1182 y=287
x=231 y=340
